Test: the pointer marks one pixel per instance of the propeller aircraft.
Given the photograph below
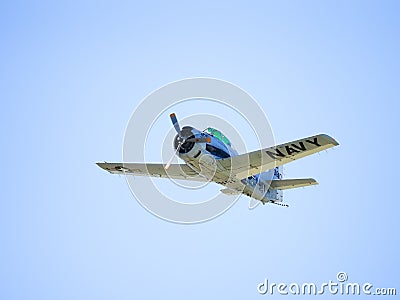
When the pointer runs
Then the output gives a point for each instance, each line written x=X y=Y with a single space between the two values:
x=208 y=155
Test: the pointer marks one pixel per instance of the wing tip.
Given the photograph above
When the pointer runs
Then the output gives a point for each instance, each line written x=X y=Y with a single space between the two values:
x=109 y=167
x=331 y=139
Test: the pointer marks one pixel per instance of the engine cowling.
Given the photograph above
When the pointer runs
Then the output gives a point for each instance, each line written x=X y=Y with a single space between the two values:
x=189 y=149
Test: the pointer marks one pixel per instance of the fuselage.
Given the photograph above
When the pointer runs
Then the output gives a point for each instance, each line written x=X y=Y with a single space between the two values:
x=203 y=157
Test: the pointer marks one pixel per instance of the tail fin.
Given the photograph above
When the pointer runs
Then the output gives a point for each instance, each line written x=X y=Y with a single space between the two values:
x=275 y=194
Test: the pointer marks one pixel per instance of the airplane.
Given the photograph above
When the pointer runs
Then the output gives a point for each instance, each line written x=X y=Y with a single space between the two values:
x=208 y=155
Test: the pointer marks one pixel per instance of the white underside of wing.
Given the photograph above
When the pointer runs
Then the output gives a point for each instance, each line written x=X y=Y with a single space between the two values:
x=175 y=171
x=255 y=162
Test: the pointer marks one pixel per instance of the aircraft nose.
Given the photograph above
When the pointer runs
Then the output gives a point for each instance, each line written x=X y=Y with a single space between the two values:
x=184 y=147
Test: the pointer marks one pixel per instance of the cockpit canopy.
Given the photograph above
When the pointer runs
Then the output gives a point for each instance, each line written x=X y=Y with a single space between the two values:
x=219 y=135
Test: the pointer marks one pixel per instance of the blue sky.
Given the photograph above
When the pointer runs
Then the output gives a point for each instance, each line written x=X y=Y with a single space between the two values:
x=71 y=74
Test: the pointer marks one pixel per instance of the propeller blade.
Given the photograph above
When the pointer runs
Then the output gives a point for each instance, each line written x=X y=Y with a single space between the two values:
x=199 y=140
x=175 y=123
x=172 y=157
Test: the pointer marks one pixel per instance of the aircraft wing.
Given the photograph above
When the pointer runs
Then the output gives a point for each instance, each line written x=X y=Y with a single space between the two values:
x=258 y=161
x=175 y=171
x=284 y=184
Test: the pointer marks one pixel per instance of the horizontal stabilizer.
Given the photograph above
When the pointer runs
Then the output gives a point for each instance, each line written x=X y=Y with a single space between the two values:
x=285 y=184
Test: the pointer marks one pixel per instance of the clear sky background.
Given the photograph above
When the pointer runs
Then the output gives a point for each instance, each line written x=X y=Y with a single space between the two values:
x=71 y=74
